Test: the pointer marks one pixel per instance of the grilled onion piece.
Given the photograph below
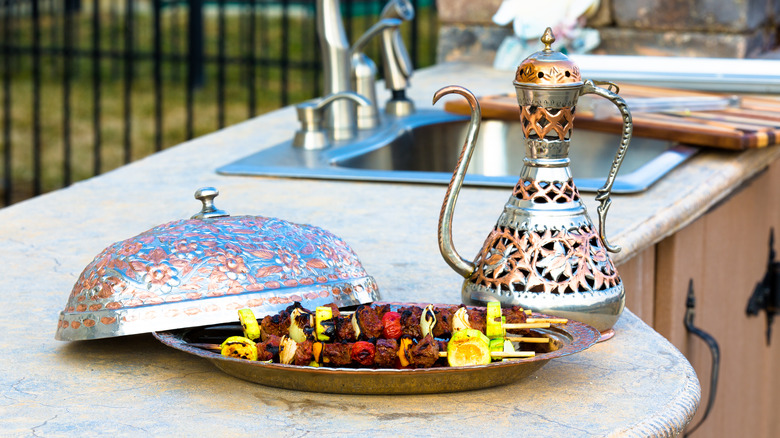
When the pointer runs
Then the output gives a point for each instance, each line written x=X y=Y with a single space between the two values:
x=427 y=321
x=300 y=324
x=287 y=350
x=460 y=320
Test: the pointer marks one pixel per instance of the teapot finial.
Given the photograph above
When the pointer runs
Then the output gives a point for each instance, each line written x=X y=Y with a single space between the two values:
x=547 y=39
x=548 y=67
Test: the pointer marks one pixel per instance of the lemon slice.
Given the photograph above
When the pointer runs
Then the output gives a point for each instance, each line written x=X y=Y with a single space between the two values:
x=468 y=347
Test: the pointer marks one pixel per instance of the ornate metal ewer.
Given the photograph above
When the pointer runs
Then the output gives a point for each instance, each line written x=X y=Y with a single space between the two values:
x=544 y=252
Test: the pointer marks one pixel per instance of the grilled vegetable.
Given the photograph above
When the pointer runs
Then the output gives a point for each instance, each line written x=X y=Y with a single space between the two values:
x=391 y=325
x=363 y=353
x=403 y=345
x=316 y=352
x=355 y=325
x=325 y=324
x=388 y=339
x=496 y=345
x=240 y=347
x=494 y=327
x=427 y=321
x=468 y=347
x=508 y=348
x=300 y=324
x=499 y=345
x=249 y=324
x=460 y=320
x=287 y=350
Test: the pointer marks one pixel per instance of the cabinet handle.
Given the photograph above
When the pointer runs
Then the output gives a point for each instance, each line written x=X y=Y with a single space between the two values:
x=690 y=304
x=766 y=295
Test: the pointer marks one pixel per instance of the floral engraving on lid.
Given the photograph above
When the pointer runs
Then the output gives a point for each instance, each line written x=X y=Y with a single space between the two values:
x=196 y=266
x=193 y=256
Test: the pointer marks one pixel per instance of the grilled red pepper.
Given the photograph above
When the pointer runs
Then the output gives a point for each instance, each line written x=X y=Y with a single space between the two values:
x=363 y=353
x=391 y=325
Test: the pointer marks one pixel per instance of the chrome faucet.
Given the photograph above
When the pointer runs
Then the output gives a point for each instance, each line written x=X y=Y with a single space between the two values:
x=335 y=60
x=348 y=69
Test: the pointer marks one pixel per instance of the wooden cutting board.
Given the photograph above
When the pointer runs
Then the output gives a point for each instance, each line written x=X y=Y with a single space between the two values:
x=754 y=124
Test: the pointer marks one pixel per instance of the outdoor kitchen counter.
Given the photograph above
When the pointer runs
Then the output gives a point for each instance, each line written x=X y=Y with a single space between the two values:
x=635 y=384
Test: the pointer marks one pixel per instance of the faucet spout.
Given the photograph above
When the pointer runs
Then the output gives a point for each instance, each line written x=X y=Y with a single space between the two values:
x=336 y=62
x=364 y=71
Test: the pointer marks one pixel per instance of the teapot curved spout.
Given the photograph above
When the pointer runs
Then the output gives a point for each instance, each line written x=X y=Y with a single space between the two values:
x=446 y=245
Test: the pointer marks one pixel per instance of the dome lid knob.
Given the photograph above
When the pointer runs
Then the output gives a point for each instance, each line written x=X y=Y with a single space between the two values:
x=208 y=210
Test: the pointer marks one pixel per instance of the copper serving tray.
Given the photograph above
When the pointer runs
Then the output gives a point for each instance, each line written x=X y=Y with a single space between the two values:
x=570 y=338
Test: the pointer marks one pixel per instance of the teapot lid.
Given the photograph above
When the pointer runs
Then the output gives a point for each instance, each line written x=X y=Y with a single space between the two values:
x=548 y=67
x=201 y=270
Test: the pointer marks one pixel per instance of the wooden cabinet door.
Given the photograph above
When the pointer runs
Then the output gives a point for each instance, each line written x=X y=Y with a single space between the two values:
x=638 y=275
x=725 y=253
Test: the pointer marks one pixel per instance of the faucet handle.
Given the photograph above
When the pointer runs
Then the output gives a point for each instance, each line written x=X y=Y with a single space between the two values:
x=321 y=104
x=311 y=135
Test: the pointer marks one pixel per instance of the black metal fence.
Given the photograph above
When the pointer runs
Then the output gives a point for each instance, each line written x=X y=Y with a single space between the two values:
x=90 y=85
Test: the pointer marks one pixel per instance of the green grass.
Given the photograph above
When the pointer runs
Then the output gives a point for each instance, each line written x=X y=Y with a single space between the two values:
x=268 y=83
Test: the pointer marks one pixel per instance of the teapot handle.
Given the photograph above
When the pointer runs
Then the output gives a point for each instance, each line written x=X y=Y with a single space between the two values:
x=446 y=246
x=590 y=87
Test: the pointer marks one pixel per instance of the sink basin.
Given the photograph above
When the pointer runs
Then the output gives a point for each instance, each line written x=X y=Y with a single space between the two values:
x=424 y=148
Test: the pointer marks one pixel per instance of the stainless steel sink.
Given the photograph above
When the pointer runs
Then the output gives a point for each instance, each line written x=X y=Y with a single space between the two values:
x=424 y=148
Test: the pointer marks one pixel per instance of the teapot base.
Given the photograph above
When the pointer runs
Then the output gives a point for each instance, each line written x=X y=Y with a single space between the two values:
x=600 y=309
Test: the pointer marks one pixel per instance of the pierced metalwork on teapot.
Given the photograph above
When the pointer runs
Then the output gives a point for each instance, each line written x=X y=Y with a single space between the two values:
x=544 y=252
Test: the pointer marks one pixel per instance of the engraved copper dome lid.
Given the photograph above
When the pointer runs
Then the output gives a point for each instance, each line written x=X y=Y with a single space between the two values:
x=200 y=271
x=547 y=67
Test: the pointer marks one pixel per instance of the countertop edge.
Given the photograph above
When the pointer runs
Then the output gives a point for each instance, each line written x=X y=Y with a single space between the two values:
x=675 y=416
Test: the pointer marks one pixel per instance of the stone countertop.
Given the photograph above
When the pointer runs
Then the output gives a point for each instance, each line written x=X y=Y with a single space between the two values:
x=635 y=384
